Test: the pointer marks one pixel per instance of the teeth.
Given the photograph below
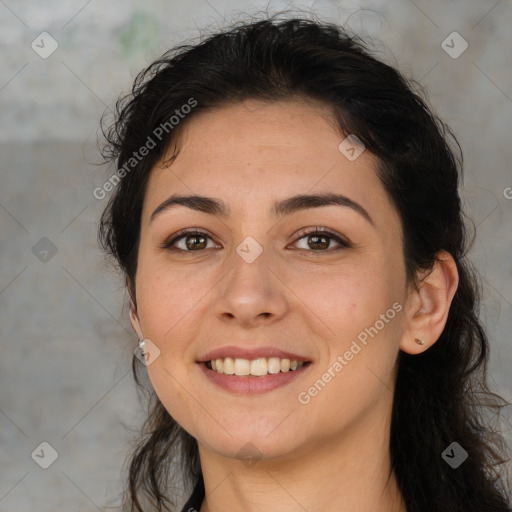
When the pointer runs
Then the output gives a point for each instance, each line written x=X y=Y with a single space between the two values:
x=242 y=367
x=228 y=366
x=256 y=367
x=259 y=367
x=274 y=365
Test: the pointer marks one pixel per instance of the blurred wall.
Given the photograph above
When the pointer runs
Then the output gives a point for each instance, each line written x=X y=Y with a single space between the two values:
x=66 y=340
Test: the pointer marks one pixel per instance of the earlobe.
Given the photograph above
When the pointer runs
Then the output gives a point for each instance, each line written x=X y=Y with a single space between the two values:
x=430 y=304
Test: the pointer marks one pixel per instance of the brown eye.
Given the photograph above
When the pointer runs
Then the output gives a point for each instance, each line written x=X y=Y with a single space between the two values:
x=319 y=240
x=193 y=241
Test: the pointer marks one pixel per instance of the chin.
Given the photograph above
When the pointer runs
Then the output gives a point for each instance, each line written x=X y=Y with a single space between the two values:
x=254 y=444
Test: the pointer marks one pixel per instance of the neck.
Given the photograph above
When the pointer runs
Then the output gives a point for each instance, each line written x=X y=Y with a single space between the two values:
x=345 y=472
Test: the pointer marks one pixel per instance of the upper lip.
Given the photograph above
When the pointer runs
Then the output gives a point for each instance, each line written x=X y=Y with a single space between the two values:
x=250 y=353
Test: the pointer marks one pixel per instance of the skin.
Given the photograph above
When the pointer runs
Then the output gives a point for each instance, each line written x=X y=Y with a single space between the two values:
x=332 y=453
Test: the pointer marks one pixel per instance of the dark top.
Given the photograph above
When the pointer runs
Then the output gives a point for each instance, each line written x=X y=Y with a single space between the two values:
x=196 y=498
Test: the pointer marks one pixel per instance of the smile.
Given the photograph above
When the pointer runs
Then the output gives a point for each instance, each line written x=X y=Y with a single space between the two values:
x=244 y=382
x=256 y=367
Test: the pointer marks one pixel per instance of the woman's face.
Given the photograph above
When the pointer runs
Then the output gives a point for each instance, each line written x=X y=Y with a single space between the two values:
x=260 y=280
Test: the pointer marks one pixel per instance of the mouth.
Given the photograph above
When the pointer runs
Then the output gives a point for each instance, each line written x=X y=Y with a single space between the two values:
x=252 y=376
x=259 y=367
x=250 y=371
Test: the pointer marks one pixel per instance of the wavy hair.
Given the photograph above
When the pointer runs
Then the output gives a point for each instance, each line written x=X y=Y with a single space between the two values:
x=441 y=395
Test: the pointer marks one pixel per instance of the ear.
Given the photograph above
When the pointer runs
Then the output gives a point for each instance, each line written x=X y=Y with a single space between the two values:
x=429 y=303
x=135 y=319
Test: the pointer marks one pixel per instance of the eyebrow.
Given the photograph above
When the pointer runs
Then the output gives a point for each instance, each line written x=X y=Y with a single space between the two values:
x=280 y=208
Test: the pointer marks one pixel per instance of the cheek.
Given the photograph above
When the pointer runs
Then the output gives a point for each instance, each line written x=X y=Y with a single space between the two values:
x=357 y=373
x=346 y=298
x=168 y=300
x=358 y=310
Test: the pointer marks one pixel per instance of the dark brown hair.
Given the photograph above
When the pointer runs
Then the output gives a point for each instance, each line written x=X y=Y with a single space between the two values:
x=441 y=395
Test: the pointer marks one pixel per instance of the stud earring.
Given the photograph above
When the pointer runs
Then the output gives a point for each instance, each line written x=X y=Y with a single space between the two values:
x=419 y=342
x=141 y=345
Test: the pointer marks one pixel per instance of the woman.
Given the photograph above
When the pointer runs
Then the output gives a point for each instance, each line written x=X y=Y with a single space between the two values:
x=287 y=219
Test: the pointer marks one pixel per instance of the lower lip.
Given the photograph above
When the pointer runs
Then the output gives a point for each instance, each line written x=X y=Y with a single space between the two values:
x=247 y=385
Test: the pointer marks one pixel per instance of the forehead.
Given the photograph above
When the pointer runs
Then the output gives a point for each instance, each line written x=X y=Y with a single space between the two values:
x=266 y=128
x=254 y=152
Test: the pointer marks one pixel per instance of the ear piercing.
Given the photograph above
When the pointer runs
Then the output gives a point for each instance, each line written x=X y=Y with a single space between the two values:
x=419 y=342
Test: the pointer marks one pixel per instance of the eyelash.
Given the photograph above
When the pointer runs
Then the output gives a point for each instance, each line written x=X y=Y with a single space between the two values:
x=303 y=233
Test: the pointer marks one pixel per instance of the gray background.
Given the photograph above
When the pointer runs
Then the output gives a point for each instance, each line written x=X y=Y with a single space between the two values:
x=65 y=337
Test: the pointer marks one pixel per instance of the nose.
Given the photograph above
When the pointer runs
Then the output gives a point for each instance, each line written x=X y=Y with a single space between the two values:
x=251 y=293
